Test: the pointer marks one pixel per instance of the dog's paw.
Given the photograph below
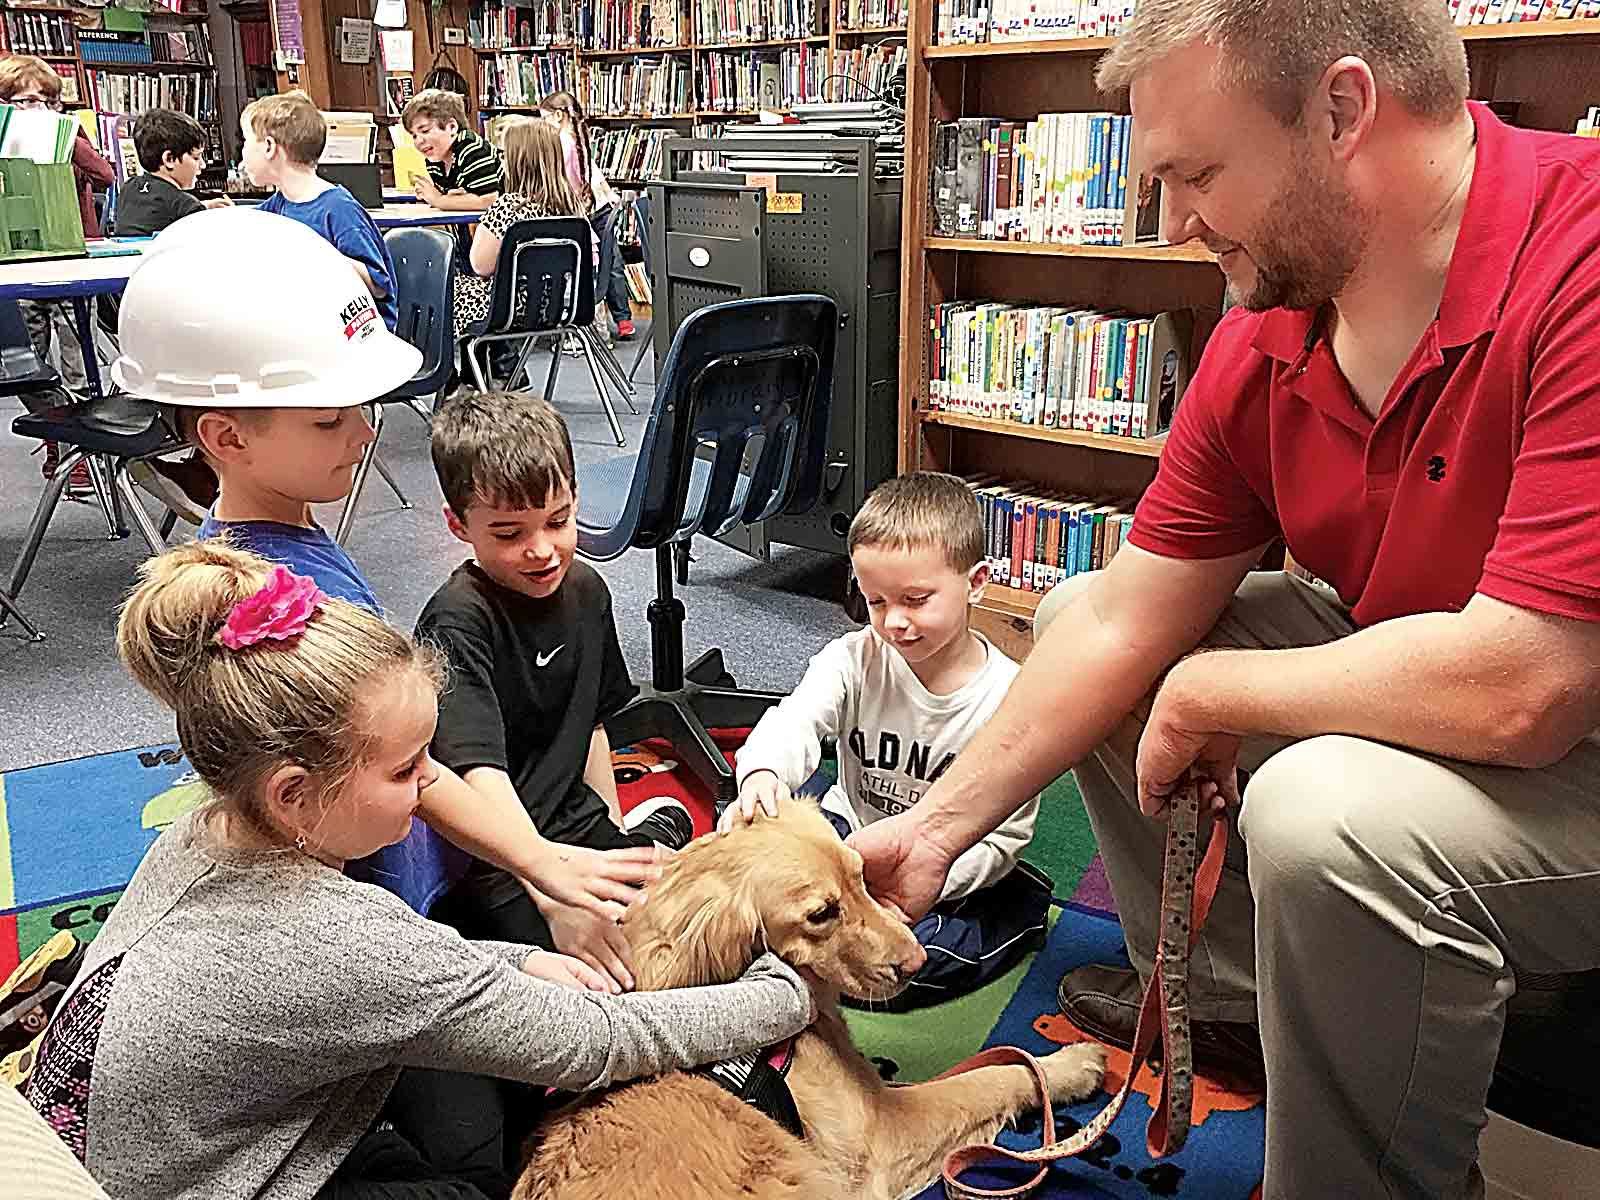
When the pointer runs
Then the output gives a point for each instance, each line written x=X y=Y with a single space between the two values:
x=1074 y=1071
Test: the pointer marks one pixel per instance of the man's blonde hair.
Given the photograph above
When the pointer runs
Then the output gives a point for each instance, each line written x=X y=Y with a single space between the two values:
x=19 y=72
x=242 y=714
x=1278 y=49
x=921 y=510
x=293 y=120
x=437 y=105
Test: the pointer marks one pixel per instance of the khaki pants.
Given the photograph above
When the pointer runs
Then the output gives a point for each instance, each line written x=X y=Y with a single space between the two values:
x=1369 y=921
x=52 y=320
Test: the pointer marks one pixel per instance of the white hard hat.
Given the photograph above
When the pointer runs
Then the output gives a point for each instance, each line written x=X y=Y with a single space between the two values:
x=242 y=309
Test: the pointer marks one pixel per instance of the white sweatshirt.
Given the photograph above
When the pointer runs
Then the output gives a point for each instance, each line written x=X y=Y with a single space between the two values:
x=895 y=738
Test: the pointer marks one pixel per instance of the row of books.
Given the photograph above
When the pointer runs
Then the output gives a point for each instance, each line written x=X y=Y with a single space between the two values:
x=638 y=86
x=191 y=44
x=1037 y=537
x=720 y=22
x=871 y=14
x=1059 y=367
x=494 y=24
x=632 y=153
x=190 y=92
x=629 y=25
x=71 y=96
x=743 y=81
x=965 y=22
x=38 y=33
x=108 y=46
x=1589 y=123
x=868 y=70
x=521 y=79
x=1503 y=12
x=1062 y=178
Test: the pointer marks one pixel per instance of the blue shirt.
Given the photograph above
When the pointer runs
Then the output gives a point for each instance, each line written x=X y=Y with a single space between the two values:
x=339 y=217
x=420 y=869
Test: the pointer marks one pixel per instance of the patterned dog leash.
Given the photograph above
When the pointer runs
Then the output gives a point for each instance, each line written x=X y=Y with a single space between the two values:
x=1186 y=895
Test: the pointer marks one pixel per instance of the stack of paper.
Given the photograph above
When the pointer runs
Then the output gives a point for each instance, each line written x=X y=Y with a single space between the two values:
x=37 y=134
x=352 y=137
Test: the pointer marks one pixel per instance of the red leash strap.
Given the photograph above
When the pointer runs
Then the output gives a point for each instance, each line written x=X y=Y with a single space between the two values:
x=1186 y=895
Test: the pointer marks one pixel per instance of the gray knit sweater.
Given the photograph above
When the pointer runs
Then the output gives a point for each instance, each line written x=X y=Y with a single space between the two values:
x=265 y=1004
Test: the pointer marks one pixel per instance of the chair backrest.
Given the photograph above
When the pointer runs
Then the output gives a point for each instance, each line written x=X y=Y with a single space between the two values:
x=424 y=275
x=544 y=277
x=19 y=361
x=746 y=389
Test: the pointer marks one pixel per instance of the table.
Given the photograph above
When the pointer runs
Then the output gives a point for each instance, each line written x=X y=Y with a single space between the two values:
x=77 y=280
x=405 y=216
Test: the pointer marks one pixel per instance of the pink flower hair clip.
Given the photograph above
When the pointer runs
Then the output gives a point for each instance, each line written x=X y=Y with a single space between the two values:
x=279 y=611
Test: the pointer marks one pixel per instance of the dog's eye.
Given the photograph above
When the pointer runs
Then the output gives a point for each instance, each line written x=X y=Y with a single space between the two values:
x=828 y=912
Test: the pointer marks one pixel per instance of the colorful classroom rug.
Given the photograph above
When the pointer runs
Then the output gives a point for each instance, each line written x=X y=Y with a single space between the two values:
x=72 y=833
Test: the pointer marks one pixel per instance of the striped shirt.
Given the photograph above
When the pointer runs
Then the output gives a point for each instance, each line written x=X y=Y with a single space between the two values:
x=475 y=166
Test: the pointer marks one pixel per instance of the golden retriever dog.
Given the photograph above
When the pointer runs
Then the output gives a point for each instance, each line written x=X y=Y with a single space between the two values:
x=789 y=884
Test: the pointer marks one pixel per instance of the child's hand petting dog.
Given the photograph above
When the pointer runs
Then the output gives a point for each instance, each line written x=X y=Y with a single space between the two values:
x=603 y=882
x=564 y=970
x=597 y=942
x=760 y=787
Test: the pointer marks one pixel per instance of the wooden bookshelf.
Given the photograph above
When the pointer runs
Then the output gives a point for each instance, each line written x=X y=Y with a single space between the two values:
x=1550 y=69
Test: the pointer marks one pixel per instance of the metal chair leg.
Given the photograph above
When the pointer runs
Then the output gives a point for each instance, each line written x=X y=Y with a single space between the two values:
x=106 y=496
x=10 y=608
x=470 y=349
x=644 y=346
x=613 y=369
x=49 y=499
x=377 y=461
x=555 y=369
x=347 y=515
x=600 y=388
x=123 y=486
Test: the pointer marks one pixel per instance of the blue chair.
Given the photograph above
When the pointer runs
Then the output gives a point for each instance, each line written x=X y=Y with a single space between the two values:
x=543 y=285
x=738 y=434
x=424 y=270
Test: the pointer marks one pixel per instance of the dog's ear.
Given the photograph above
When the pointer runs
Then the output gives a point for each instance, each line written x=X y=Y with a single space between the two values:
x=703 y=926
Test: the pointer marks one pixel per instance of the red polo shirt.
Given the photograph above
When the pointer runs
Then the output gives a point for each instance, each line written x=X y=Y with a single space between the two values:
x=1482 y=471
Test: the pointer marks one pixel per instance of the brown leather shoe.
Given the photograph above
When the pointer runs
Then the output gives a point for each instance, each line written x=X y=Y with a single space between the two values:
x=1104 y=1003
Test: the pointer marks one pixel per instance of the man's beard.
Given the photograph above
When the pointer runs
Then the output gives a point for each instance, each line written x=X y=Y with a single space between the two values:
x=1309 y=245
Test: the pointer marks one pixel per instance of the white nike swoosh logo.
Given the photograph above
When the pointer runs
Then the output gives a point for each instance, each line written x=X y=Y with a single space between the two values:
x=542 y=660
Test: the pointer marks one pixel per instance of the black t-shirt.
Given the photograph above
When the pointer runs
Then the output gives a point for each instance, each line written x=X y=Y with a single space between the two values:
x=147 y=204
x=529 y=681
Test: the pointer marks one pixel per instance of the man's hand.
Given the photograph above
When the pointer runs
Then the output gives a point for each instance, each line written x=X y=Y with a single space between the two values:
x=425 y=189
x=568 y=972
x=904 y=867
x=760 y=787
x=591 y=939
x=219 y=202
x=601 y=882
x=1180 y=738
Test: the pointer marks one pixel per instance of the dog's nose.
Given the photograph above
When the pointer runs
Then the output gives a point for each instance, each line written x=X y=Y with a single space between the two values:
x=911 y=963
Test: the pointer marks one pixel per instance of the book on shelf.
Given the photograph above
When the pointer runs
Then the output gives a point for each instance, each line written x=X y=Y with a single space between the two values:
x=870 y=14
x=1058 y=367
x=1507 y=12
x=867 y=70
x=511 y=79
x=638 y=282
x=724 y=22
x=645 y=86
x=106 y=46
x=493 y=25
x=1061 y=178
x=71 y=96
x=189 y=92
x=969 y=22
x=1036 y=537
x=635 y=152
x=38 y=33
x=633 y=24
x=189 y=43
x=741 y=81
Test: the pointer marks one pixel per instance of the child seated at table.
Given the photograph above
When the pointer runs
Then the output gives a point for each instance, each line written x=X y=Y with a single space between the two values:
x=283 y=140
x=464 y=170
x=172 y=150
x=536 y=186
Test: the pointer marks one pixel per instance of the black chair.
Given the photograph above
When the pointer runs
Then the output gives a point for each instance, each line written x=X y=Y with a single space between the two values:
x=543 y=286
x=424 y=268
x=738 y=434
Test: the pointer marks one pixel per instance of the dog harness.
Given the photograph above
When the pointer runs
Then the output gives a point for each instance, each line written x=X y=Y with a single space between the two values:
x=1186 y=895
x=760 y=1080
